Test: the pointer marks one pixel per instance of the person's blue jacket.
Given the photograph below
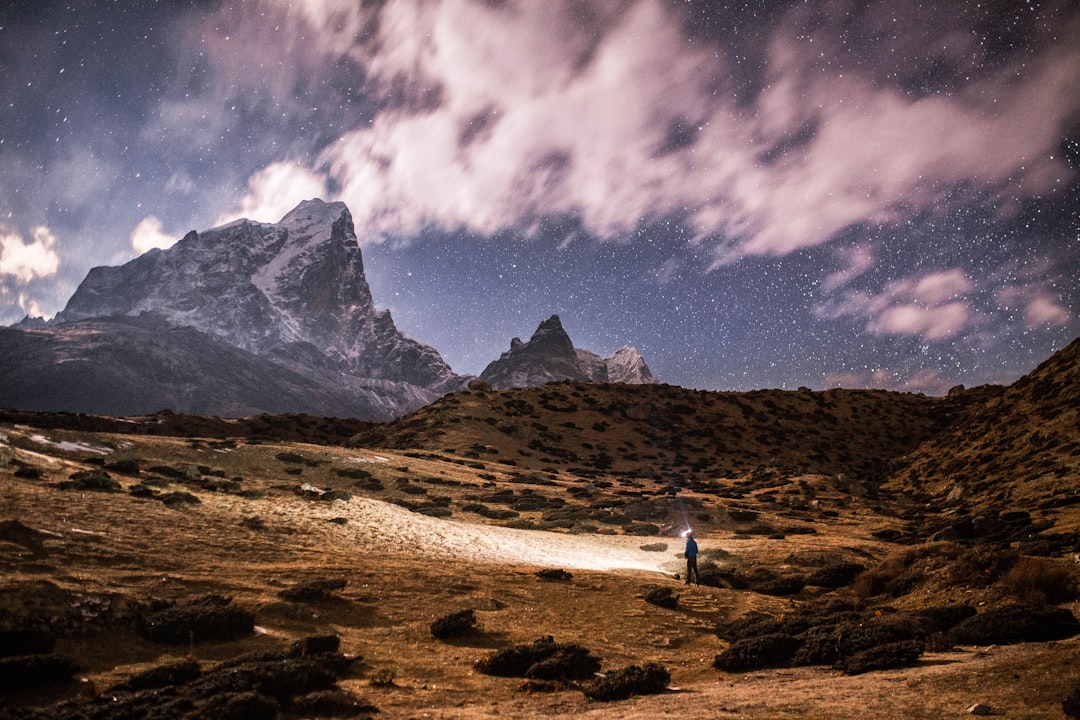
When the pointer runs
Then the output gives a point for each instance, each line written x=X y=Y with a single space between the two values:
x=691 y=547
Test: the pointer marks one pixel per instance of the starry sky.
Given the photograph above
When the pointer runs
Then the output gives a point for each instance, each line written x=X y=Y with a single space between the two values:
x=762 y=194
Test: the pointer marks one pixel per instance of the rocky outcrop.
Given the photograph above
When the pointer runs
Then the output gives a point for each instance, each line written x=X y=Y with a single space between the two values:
x=550 y=356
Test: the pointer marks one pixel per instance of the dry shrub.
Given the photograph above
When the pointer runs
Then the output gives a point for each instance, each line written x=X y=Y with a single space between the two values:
x=1015 y=624
x=882 y=657
x=983 y=565
x=755 y=653
x=454 y=625
x=647 y=679
x=543 y=660
x=1038 y=581
x=663 y=597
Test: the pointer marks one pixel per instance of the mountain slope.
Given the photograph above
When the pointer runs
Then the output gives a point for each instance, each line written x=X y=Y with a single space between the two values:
x=1020 y=446
x=131 y=366
x=277 y=290
x=663 y=431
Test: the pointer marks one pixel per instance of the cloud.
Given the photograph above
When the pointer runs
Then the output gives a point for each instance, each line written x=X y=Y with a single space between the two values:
x=1040 y=307
x=496 y=114
x=857 y=260
x=26 y=261
x=1045 y=310
x=148 y=234
x=931 y=307
x=274 y=191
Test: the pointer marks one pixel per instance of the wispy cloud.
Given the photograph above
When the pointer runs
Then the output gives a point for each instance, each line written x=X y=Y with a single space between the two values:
x=932 y=307
x=26 y=261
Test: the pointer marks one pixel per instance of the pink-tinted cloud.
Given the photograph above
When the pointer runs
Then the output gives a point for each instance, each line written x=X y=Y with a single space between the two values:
x=505 y=112
x=148 y=234
x=28 y=260
x=274 y=191
x=857 y=260
x=1040 y=307
x=933 y=307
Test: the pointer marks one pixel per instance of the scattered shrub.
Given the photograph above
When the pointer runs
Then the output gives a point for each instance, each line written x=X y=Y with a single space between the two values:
x=315 y=590
x=96 y=479
x=755 y=653
x=1014 y=624
x=663 y=597
x=649 y=679
x=25 y=671
x=543 y=660
x=555 y=574
x=209 y=618
x=882 y=657
x=1037 y=581
x=457 y=624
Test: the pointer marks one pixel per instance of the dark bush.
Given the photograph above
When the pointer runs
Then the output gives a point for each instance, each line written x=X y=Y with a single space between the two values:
x=314 y=590
x=755 y=653
x=882 y=657
x=210 y=618
x=96 y=479
x=825 y=645
x=663 y=597
x=782 y=587
x=566 y=661
x=946 y=616
x=835 y=575
x=457 y=624
x=1037 y=581
x=1015 y=624
x=555 y=574
x=649 y=679
x=24 y=671
x=176 y=673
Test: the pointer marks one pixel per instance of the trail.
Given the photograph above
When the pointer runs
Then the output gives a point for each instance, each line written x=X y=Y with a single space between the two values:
x=388 y=528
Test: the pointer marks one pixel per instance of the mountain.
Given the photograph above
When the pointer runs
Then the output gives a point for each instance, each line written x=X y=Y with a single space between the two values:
x=285 y=305
x=252 y=318
x=549 y=356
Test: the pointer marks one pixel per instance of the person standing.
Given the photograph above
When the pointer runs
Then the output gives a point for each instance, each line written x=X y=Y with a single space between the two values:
x=691 y=554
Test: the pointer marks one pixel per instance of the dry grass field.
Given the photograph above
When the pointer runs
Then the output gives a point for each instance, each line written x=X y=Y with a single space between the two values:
x=215 y=553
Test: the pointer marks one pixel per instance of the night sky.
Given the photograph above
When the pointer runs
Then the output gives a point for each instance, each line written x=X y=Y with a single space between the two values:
x=756 y=195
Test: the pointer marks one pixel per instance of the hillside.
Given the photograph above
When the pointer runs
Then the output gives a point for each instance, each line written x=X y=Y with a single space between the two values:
x=1019 y=451
x=672 y=434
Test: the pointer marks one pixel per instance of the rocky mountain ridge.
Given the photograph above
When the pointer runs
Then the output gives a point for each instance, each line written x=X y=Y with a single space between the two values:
x=275 y=317
x=550 y=356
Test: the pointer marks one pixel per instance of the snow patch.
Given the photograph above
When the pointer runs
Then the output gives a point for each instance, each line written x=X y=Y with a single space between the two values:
x=68 y=446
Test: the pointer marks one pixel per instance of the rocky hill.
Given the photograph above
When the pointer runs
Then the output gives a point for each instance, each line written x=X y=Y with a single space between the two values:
x=842 y=533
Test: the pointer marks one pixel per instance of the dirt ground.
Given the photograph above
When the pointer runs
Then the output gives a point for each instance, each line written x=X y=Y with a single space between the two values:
x=405 y=569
